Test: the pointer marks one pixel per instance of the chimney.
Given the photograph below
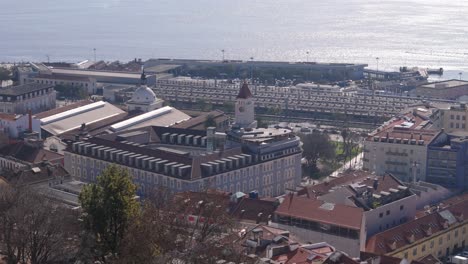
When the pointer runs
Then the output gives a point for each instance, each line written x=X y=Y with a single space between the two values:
x=376 y=183
x=30 y=120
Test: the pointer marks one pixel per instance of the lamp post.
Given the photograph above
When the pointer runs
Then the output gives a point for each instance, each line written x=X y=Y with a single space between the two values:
x=460 y=74
x=377 y=59
x=251 y=69
x=223 y=53
x=94 y=50
x=307 y=58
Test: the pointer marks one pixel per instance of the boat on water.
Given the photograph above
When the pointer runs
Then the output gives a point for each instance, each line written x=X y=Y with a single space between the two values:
x=439 y=71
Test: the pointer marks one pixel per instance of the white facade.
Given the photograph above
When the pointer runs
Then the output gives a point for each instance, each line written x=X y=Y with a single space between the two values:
x=245 y=113
x=144 y=99
x=270 y=178
x=14 y=125
x=36 y=101
x=89 y=84
x=401 y=160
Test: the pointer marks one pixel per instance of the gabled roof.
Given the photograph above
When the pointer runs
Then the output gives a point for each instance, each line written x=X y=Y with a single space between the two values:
x=250 y=209
x=412 y=231
x=322 y=212
x=23 y=151
x=244 y=92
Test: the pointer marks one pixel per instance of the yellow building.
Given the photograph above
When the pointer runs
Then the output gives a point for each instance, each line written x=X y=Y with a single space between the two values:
x=440 y=233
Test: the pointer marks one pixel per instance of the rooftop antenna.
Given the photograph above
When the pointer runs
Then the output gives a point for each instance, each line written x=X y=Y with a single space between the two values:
x=223 y=53
x=48 y=58
x=94 y=50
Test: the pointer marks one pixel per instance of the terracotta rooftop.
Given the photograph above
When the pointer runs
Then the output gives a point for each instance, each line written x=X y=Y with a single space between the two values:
x=41 y=172
x=409 y=126
x=30 y=154
x=250 y=209
x=409 y=232
x=9 y=117
x=244 y=92
x=319 y=211
x=377 y=183
x=62 y=109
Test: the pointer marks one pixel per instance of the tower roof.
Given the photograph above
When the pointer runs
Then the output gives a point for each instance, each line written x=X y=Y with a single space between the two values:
x=244 y=92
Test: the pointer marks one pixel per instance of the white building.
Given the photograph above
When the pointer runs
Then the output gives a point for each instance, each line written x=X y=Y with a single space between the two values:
x=15 y=125
x=181 y=159
x=144 y=99
x=245 y=109
x=27 y=97
x=399 y=147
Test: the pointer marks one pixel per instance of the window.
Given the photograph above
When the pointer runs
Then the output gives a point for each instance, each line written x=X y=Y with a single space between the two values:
x=406 y=255
x=458 y=117
x=415 y=251
x=456 y=233
x=388 y=212
x=452 y=117
x=432 y=244
x=423 y=248
x=381 y=215
x=440 y=240
x=401 y=207
x=448 y=237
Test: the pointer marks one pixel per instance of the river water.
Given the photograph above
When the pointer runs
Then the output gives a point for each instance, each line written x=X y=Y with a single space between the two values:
x=429 y=33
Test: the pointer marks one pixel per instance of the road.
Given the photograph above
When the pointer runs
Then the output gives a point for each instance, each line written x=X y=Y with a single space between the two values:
x=354 y=163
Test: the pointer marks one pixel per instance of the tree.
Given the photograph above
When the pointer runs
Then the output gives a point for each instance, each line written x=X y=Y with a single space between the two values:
x=189 y=227
x=210 y=121
x=33 y=229
x=316 y=146
x=108 y=207
x=350 y=142
x=5 y=74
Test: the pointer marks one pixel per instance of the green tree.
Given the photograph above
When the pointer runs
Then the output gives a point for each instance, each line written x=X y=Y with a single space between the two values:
x=108 y=207
x=316 y=146
x=5 y=74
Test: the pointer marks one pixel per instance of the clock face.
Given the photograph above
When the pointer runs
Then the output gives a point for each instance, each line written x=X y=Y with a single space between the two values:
x=241 y=109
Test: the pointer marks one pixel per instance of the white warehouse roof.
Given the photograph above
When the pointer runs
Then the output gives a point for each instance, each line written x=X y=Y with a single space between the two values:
x=165 y=116
x=72 y=119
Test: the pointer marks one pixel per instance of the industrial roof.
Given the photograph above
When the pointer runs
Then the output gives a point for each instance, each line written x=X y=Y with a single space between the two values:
x=96 y=73
x=71 y=119
x=165 y=116
x=445 y=84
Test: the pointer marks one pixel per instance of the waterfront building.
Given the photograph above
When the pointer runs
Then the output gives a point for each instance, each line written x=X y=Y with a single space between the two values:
x=181 y=159
x=449 y=90
x=399 y=147
x=32 y=97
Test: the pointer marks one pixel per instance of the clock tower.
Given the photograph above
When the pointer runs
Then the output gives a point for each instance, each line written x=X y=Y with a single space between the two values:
x=245 y=109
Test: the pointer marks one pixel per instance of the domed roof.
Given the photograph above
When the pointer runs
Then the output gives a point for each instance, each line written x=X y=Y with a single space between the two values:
x=143 y=95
